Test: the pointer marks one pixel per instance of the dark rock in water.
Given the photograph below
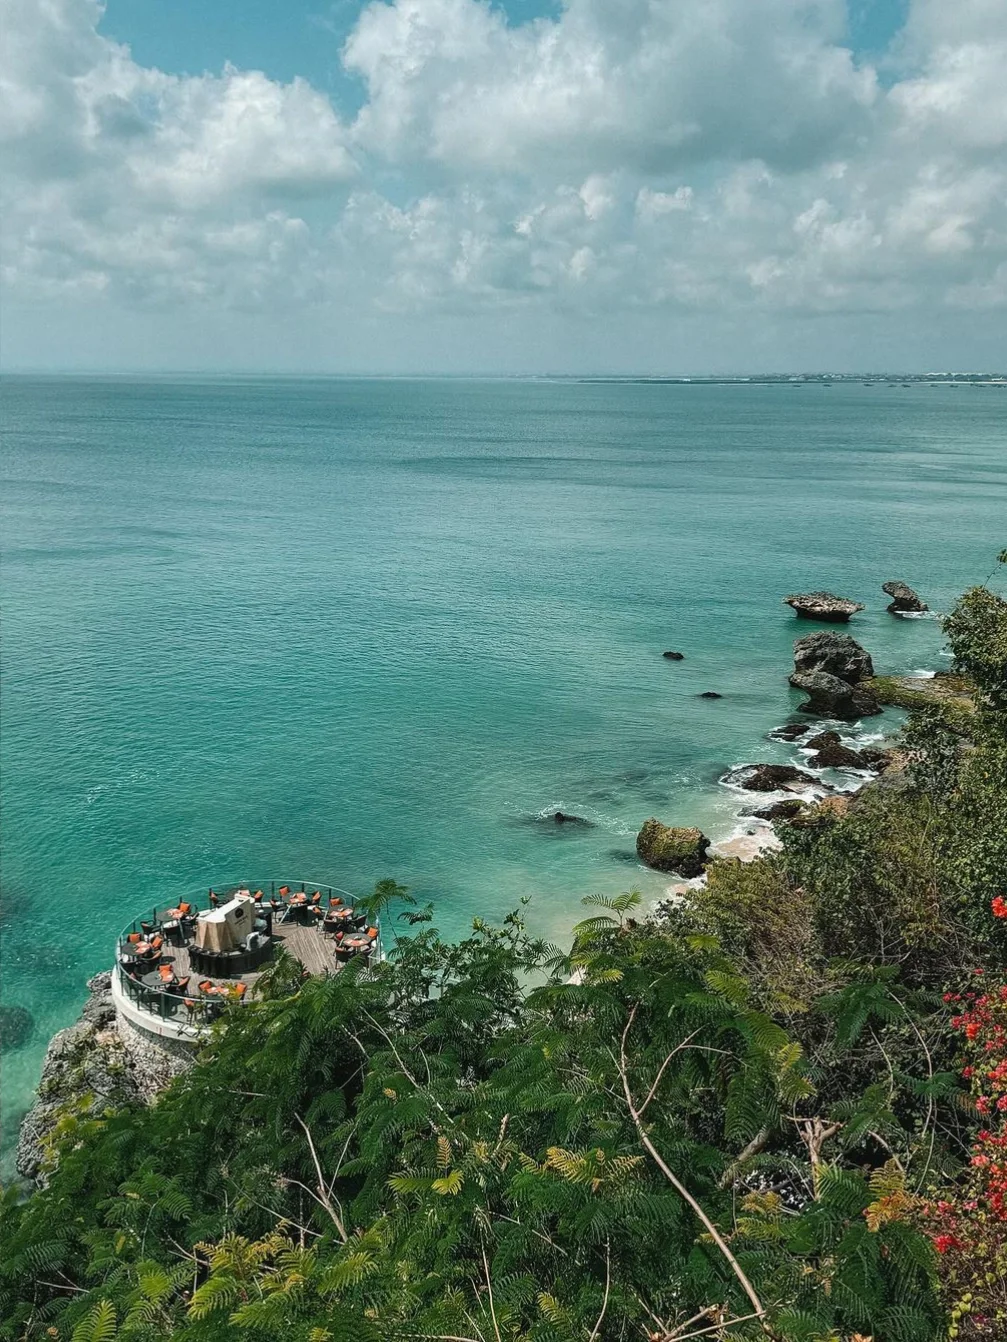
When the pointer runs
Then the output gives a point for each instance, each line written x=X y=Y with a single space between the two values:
x=830 y=697
x=822 y=606
x=835 y=654
x=790 y=731
x=561 y=818
x=768 y=777
x=16 y=1027
x=623 y=855
x=669 y=849
x=674 y=656
x=904 y=599
x=709 y=694
x=830 y=753
x=780 y=810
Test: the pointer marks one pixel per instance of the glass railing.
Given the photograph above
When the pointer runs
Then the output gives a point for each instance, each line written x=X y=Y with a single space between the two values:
x=192 y=1009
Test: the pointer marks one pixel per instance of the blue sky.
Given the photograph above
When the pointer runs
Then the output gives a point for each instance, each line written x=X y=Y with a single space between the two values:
x=285 y=38
x=445 y=185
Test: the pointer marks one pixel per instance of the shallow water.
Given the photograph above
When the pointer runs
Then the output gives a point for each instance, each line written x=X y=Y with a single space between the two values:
x=352 y=629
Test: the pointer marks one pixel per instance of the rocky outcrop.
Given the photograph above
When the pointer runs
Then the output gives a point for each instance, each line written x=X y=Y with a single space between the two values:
x=830 y=697
x=904 y=600
x=823 y=606
x=830 y=753
x=779 y=810
x=86 y=1065
x=709 y=694
x=667 y=848
x=769 y=777
x=562 y=818
x=835 y=654
x=674 y=656
x=790 y=731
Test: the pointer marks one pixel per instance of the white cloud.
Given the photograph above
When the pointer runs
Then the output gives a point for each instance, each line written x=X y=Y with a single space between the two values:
x=728 y=160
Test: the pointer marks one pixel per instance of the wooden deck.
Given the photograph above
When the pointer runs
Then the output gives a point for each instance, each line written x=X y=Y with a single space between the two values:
x=314 y=948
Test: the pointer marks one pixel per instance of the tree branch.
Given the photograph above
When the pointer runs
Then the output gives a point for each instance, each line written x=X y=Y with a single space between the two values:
x=676 y=1183
x=323 y=1192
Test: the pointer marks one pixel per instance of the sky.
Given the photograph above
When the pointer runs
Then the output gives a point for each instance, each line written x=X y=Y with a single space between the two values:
x=528 y=187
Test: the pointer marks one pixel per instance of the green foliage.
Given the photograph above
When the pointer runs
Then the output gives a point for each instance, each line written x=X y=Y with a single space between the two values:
x=503 y=1141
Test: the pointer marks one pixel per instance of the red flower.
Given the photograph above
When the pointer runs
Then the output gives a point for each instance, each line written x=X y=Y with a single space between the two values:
x=999 y=907
x=942 y=1243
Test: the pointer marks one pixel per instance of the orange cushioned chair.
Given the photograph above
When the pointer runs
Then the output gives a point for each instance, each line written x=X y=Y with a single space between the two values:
x=206 y=985
x=372 y=931
x=240 y=989
x=184 y=908
x=166 y=972
x=133 y=938
x=284 y=889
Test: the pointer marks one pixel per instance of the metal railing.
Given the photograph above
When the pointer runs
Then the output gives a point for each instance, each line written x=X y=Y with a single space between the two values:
x=190 y=1008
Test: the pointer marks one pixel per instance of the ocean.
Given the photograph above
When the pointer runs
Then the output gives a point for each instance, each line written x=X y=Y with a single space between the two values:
x=350 y=629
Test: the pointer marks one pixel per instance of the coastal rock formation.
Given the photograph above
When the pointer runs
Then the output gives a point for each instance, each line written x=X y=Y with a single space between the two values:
x=87 y=1063
x=830 y=753
x=669 y=849
x=709 y=694
x=904 y=599
x=836 y=654
x=822 y=606
x=830 y=697
x=561 y=818
x=790 y=731
x=769 y=777
x=16 y=1027
x=674 y=656
x=779 y=810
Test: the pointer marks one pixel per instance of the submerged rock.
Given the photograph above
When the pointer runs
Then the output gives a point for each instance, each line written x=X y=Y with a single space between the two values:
x=904 y=599
x=674 y=656
x=16 y=1027
x=830 y=753
x=779 y=810
x=709 y=694
x=830 y=697
x=769 y=777
x=561 y=818
x=666 y=848
x=823 y=606
x=790 y=731
x=836 y=654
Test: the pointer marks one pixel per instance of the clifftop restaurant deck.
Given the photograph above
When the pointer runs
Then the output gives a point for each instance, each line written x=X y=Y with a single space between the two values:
x=180 y=965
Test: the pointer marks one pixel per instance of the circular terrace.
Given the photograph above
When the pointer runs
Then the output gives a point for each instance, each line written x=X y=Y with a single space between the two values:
x=178 y=967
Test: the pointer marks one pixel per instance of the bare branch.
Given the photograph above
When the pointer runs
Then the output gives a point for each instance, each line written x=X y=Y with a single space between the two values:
x=608 y=1283
x=323 y=1192
x=660 y=1071
x=676 y=1183
x=489 y=1288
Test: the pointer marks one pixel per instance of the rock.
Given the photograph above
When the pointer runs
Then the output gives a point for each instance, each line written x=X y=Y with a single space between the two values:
x=709 y=694
x=904 y=599
x=561 y=818
x=674 y=656
x=669 y=849
x=829 y=808
x=830 y=753
x=780 y=810
x=790 y=731
x=88 y=1059
x=830 y=697
x=769 y=777
x=16 y=1027
x=823 y=606
x=836 y=654
x=877 y=758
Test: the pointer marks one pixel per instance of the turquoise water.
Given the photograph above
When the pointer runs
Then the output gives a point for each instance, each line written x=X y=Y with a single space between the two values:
x=366 y=628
